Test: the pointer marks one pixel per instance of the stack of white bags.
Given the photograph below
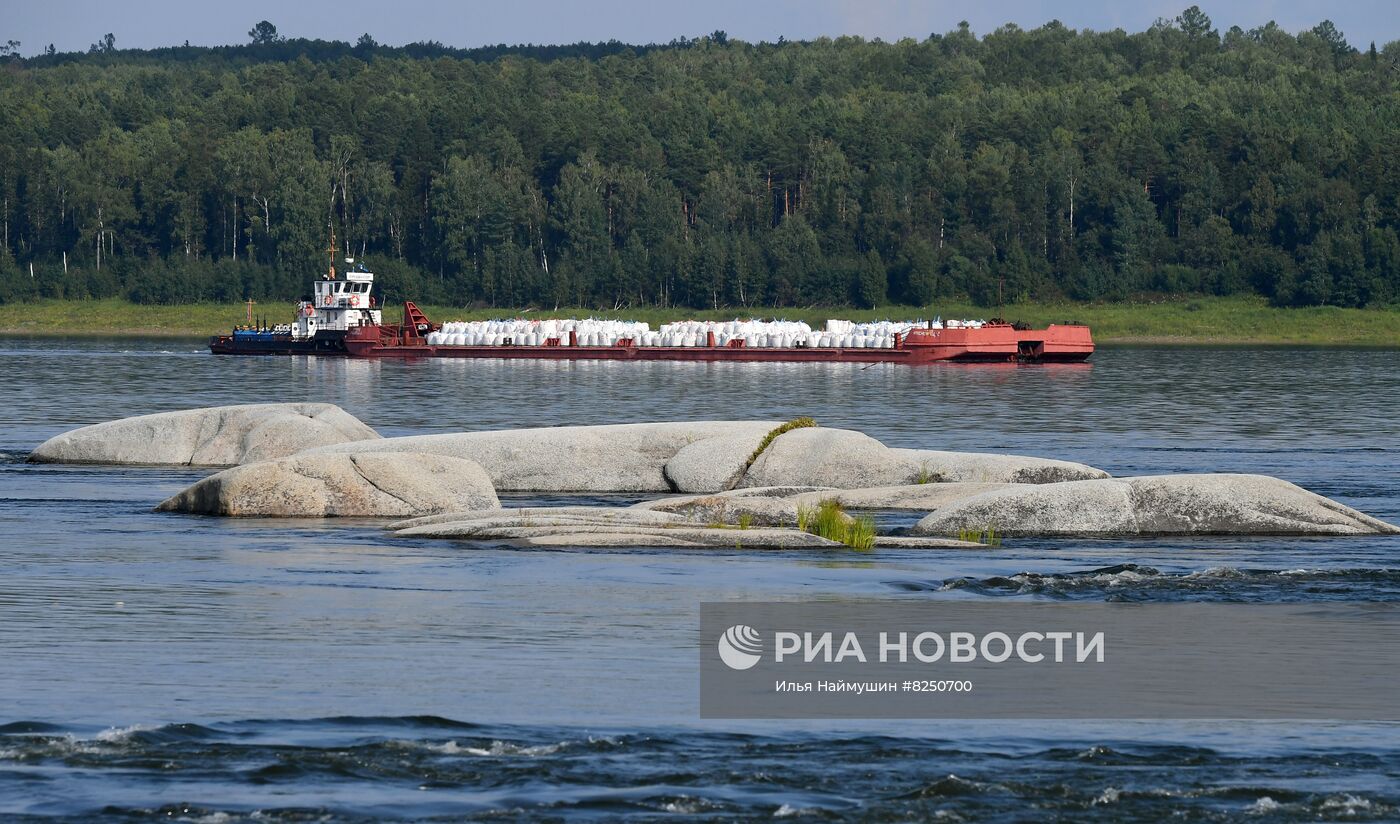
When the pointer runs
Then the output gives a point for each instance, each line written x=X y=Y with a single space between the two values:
x=591 y=332
x=780 y=334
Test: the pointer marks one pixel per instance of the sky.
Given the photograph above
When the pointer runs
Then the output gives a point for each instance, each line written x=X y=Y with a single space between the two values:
x=74 y=24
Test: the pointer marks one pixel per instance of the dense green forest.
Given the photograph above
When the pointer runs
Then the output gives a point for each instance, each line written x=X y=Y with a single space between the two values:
x=1036 y=164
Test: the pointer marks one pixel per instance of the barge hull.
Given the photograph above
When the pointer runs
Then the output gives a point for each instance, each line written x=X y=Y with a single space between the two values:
x=1056 y=344
x=323 y=344
x=715 y=354
x=995 y=342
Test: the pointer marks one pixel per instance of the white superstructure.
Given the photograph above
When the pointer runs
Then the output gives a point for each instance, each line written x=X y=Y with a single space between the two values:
x=338 y=304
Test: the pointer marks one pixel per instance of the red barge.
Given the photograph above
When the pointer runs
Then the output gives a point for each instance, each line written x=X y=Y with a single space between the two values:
x=340 y=317
x=987 y=343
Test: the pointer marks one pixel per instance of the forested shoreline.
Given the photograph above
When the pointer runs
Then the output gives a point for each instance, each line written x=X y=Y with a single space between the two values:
x=1022 y=165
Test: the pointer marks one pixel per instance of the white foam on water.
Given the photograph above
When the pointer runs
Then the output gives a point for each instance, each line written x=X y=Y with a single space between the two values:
x=685 y=805
x=1346 y=804
x=500 y=749
x=120 y=735
x=1110 y=795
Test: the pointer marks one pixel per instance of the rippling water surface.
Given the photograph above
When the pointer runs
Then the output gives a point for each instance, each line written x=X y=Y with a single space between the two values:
x=176 y=667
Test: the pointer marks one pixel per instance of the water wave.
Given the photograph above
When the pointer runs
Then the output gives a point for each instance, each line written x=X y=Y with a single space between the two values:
x=360 y=769
x=1139 y=582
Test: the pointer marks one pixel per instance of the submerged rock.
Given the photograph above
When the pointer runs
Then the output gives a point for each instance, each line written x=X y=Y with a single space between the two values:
x=1154 y=505
x=604 y=526
x=619 y=527
x=314 y=486
x=606 y=535
x=612 y=540
x=537 y=517
x=604 y=514
x=933 y=466
x=210 y=436
x=922 y=542
x=613 y=458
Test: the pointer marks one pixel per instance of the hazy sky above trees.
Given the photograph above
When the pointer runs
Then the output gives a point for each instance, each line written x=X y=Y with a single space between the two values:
x=71 y=25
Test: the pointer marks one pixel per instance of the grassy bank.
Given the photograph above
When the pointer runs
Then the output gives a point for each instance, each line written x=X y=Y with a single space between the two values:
x=1194 y=320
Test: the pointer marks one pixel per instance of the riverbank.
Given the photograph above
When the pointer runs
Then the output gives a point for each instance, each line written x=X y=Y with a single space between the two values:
x=1232 y=320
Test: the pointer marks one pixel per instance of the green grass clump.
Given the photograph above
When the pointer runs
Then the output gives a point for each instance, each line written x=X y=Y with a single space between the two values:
x=746 y=520
x=985 y=537
x=860 y=534
x=829 y=521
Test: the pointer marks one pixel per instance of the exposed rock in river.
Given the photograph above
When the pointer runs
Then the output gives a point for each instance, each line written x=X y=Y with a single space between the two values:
x=211 y=436
x=313 y=486
x=615 y=458
x=981 y=467
x=709 y=457
x=771 y=491
x=1154 y=505
x=713 y=464
x=851 y=460
x=349 y=470
x=728 y=509
x=828 y=457
x=634 y=527
x=917 y=497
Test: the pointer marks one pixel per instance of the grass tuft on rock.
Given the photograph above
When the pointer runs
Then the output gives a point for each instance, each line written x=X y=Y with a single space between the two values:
x=860 y=534
x=795 y=423
x=831 y=522
x=985 y=537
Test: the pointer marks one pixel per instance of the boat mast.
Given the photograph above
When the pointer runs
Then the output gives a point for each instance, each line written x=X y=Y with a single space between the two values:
x=330 y=252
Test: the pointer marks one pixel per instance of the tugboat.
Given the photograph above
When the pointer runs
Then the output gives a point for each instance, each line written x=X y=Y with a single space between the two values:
x=323 y=318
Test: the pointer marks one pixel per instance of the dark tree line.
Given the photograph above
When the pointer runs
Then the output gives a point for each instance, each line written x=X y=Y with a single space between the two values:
x=711 y=172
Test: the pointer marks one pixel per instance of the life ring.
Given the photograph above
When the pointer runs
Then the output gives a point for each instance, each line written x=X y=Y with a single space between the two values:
x=328 y=300
x=354 y=300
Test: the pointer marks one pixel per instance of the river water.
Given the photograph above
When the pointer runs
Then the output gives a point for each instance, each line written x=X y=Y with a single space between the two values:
x=187 y=668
